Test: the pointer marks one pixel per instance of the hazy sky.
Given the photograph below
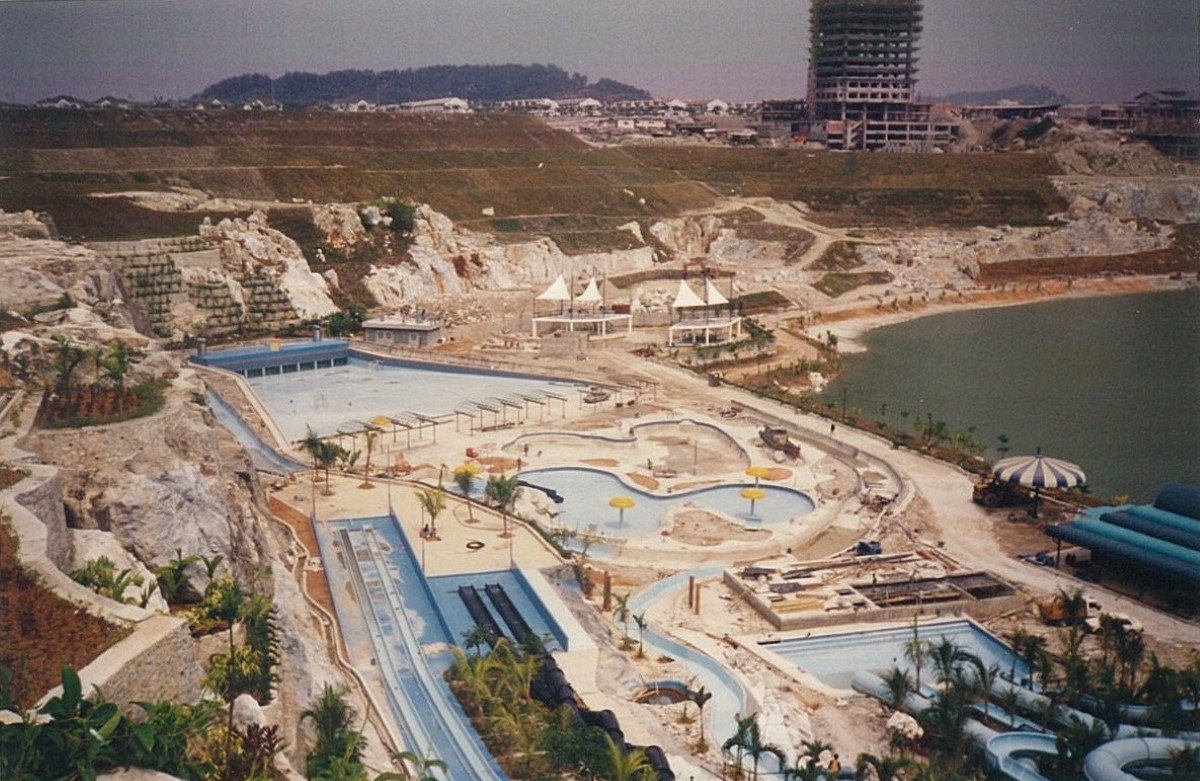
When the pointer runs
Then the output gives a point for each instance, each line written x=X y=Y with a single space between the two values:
x=735 y=49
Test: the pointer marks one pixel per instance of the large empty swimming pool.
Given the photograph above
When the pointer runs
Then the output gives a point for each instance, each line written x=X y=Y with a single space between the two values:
x=834 y=658
x=362 y=389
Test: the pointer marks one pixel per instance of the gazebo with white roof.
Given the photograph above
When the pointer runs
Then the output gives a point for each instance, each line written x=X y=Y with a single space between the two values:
x=587 y=310
x=705 y=321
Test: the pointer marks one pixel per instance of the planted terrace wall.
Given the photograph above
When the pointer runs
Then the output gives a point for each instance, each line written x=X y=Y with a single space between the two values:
x=157 y=660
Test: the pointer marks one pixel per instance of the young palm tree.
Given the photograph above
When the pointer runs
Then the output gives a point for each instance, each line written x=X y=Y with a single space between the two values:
x=311 y=444
x=66 y=358
x=915 y=649
x=502 y=491
x=631 y=766
x=328 y=454
x=372 y=438
x=621 y=613
x=701 y=697
x=432 y=502
x=886 y=768
x=757 y=748
x=899 y=684
x=417 y=767
x=736 y=742
x=116 y=366
x=465 y=480
x=333 y=719
x=640 y=620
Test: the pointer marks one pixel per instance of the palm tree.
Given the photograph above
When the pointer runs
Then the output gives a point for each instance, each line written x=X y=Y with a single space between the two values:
x=739 y=739
x=640 y=620
x=465 y=480
x=621 y=613
x=311 y=444
x=328 y=454
x=886 y=768
x=333 y=719
x=899 y=684
x=947 y=656
x=1074 y=742
x=66 y=358
x=631 y=766
x=372 y=438
x=756 y=747
x=914 y=650
x=807 y=766
x=432 y=502
x=422 y=767
x=985 y=679
x=502 y=491
x=701 y=697
x=116 y=366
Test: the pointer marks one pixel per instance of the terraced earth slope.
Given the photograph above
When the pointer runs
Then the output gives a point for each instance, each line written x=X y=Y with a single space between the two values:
x=509 y=175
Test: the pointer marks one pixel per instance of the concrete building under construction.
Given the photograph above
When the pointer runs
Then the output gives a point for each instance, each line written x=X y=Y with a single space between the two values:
x=862 y=77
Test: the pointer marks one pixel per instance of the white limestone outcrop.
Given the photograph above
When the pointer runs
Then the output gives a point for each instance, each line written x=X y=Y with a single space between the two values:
x=250 y=246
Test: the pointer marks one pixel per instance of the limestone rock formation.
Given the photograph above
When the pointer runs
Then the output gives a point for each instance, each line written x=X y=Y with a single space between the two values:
x=339 y=223
x=170 y=481
x=40 y=272
x=249 y=247
x=449 y=261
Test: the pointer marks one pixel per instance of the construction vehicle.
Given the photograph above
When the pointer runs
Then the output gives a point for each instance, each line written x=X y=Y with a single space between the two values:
x=777 y=439
x=996 y=493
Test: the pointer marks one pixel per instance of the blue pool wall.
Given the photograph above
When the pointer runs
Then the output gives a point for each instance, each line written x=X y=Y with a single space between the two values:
x=425 y=588
x=268 y=360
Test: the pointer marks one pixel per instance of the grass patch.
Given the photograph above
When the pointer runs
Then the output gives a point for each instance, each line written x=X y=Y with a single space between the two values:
x=838 y=284
x=839 y=256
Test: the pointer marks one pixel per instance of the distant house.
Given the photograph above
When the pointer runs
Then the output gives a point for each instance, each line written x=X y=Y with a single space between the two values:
x=420 y=332
x=60 y=101
x=437 y=105
x=541 y=107
x=717 y=107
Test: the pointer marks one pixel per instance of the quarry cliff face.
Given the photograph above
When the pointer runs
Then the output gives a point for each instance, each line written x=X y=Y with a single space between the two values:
x=172 y=481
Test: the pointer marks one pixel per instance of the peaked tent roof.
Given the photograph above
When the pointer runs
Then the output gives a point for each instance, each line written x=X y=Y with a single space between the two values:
x=713 y=295
x=686 y=297
x=591 y=294
x=556 y=292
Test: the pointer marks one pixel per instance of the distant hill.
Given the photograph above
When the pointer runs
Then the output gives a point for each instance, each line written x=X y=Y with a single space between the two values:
x=1026 y=94
x=471 y=82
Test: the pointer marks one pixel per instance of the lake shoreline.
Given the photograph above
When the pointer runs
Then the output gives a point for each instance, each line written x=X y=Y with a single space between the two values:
x=850 y=323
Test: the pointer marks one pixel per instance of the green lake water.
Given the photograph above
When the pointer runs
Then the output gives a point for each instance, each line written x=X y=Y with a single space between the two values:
x=1109 y=383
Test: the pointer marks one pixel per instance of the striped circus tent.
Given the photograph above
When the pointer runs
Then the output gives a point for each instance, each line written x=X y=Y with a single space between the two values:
x=1038 y=472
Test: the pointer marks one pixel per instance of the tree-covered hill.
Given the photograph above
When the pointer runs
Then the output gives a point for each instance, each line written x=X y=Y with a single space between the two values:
x=484 y=83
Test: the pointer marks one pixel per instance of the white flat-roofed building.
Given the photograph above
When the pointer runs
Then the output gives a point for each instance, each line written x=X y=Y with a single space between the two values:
x=419 y=332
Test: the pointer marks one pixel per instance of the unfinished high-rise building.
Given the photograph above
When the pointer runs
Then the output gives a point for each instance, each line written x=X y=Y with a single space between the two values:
x=862 y=76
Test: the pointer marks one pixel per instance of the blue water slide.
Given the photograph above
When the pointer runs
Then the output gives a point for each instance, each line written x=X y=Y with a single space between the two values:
x=1153 y=528
x=264 y=458
x=1168 y=558
x=1108 y=762
x=1011 y=753
x=1174 y=520
x=1179 y=499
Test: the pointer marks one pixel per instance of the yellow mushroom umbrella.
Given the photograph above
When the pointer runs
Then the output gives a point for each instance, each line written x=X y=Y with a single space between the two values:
x=622 y=503
x=758 y=471
x=753 y=494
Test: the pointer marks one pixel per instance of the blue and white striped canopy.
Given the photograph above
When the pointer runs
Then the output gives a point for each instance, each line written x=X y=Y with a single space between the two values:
x=1039 y=472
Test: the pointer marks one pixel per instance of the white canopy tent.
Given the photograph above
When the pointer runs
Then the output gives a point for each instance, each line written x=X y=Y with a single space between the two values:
x=591 y=317
x=689 y=324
